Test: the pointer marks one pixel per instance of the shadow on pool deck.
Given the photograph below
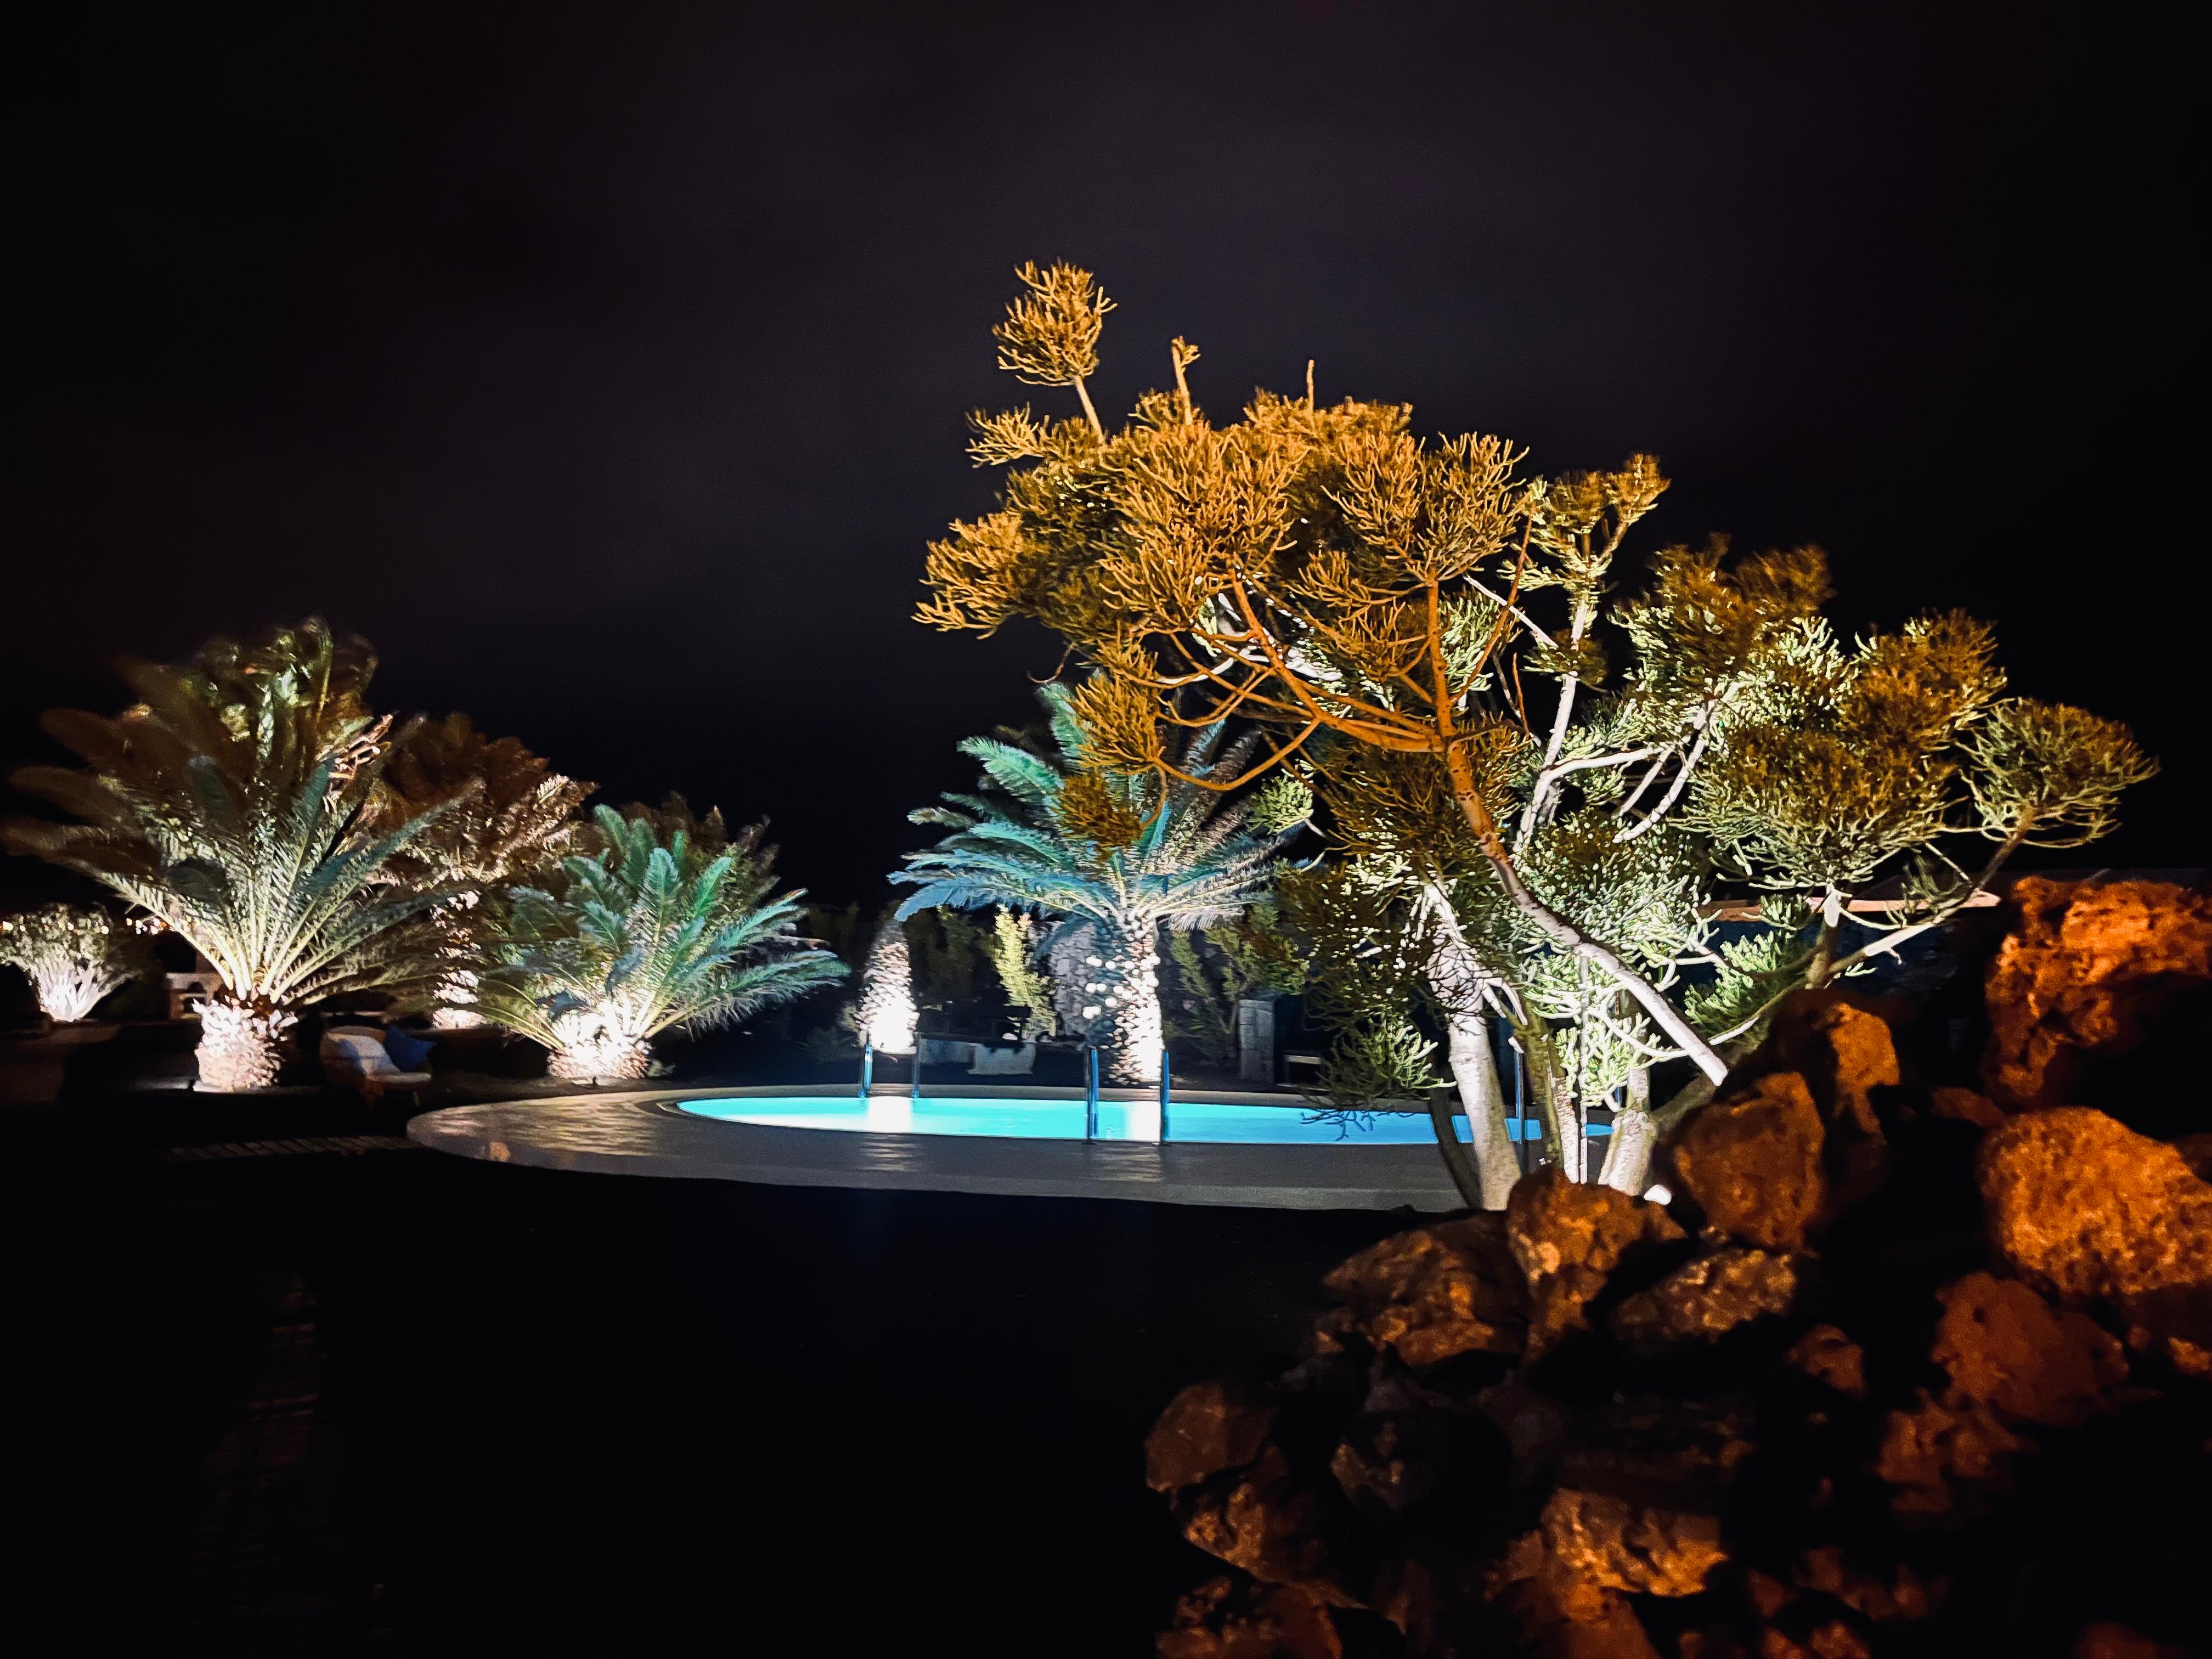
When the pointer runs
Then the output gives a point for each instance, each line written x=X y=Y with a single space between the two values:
x=312 y=1401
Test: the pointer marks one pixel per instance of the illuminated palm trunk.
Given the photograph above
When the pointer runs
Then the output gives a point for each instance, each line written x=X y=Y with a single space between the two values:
x=241 y=1044
x=597 y=1046
x=1123 y=1013
x=888 y=1017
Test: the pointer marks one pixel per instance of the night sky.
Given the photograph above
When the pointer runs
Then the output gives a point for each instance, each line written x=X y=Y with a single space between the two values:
x=607 y=365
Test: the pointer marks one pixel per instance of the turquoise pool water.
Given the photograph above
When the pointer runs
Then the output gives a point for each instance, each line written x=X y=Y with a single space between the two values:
x=1062 y=1120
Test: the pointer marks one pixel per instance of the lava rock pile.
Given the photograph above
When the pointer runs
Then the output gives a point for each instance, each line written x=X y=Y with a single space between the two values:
x=1901 y=1370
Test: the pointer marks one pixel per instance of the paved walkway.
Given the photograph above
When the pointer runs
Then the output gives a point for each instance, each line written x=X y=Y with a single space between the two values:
x=646 y=1133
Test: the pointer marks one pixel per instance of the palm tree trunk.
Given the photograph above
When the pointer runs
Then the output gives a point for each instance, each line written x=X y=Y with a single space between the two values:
x=595 y=1048
x=1126 y=996
x=240 y=1046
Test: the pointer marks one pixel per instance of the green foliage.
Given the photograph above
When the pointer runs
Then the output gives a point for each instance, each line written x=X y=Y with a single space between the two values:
x=668 y=921
x=234 y=803
x=947 y=951
x=1755 y=970
x=1186 y=855
x=1378 y=1061
x=1212 y=969
x=1581 y=762
x=2043 y=775
x=504 y=814
x=1012 y=947
x=74 y=955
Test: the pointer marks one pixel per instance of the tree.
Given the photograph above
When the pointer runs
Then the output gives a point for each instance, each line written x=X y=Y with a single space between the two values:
x=1372 y=602
x=1014 y=946
x=666 y=921
x=74 y=956
x=1212 y=969
x=504 y=815
x=887 y=1016
x=1110 y=856
x=231 y=804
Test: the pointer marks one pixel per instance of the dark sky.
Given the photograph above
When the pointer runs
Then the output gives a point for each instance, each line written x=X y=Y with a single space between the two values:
x=606 y=366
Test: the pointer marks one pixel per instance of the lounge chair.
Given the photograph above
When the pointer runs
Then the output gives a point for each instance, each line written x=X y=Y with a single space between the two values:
x=354 y=1058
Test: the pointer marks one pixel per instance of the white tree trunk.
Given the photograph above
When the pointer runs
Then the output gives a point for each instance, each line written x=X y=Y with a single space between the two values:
x=1475 y=1068
x=1628 y=1151
x=241 y=1047
x=1457 y=976
x=1123 y=1010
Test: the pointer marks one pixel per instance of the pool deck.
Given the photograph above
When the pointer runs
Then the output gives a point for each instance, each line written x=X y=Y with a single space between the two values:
x=646 y=1132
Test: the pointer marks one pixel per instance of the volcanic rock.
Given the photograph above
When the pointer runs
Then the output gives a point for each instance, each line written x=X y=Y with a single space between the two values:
x=1843 y=1052
x=1408 y=1442
x=2006 y=1346
x=1707 y=1297
x=1616 y=1545
x=1261 y=1520
x=2083 y=1207
x=1897 y=1594
x=1965 y=1106
x=2107 y=1640
x=1753 y=1162
x=1206 y=1429
x=1232 y=1619
x=1568 y=1238
x=1436 y=1292
x=1562 y=1615
x=2080 y=972
x=1826 y=1355
x=1657 y=1451
x=1927 y=1452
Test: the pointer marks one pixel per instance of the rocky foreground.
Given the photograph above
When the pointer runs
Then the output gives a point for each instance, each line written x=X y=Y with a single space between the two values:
x=1901 y=1368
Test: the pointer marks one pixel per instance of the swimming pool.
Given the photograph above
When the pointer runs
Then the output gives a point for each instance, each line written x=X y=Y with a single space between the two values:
x=1017 y=1118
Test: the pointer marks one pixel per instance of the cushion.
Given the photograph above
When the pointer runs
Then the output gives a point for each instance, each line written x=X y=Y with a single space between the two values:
x=407 y=1051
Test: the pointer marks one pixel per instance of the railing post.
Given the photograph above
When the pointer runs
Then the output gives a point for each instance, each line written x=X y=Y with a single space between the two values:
x=1165 y=1071
x=867 y=1067
x=1090 y=1091
x=914 y=1093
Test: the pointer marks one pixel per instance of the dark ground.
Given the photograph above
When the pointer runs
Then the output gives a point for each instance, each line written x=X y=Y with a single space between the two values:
x=323 y=1400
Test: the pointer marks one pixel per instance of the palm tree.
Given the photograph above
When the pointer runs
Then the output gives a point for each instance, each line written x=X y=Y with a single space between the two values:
x=231 y=805
x=74 y=955
x=1109 y=856
x=668 y=922
x=506 y=817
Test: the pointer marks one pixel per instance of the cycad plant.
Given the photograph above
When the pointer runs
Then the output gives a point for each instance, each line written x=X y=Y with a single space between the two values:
x=231 y=804
x=668 y=921
x=1110 y=857
x=505 y=817
x=74 y=955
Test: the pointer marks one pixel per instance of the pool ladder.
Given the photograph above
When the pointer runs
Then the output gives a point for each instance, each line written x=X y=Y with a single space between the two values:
x=1089 y=1085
